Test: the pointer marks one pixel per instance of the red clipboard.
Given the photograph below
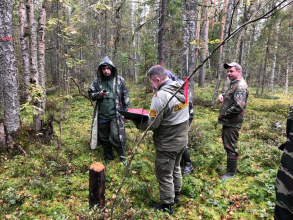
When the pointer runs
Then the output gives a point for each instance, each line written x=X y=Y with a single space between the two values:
x=136 y=114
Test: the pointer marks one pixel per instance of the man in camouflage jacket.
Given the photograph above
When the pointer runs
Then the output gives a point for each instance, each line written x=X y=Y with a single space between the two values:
x=110 y=92
x=232 y=114
x=284 y=180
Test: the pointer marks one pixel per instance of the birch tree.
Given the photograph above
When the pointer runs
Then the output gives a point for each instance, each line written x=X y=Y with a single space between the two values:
x=275 y=55
x=41 y=53
x=23 y=33
x=34 y=65
x=8 y=74
x=287 y=76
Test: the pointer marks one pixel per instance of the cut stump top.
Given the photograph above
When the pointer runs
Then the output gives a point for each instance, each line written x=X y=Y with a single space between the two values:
x=97 y=167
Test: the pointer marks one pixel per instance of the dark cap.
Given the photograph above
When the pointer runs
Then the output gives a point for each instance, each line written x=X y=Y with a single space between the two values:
x=233 y=64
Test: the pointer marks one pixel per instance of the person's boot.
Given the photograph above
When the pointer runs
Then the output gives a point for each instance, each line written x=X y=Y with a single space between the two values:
x=108 y=152
x=121 y=153
x=187 y=161
x=165 y=207
x=176 y=198
x=188 y=168
x=231 y=169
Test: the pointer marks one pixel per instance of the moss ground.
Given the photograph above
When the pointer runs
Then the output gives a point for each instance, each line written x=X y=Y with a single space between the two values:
x=34 y=185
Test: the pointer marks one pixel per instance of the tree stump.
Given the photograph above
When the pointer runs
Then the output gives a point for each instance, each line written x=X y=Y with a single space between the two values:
x=97 y=185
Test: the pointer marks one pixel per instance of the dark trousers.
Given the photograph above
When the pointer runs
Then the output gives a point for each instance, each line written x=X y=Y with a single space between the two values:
x=230 y=138
x=109 y=136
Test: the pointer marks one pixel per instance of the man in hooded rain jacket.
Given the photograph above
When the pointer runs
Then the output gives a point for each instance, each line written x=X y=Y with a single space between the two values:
x=110 y=93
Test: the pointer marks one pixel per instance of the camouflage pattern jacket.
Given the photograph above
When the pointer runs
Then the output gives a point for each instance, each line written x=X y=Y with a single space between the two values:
x=234 y=104
x=121 y=99
x=284 y=180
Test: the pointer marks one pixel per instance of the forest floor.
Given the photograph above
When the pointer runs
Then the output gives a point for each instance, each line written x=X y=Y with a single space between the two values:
x=35 y=185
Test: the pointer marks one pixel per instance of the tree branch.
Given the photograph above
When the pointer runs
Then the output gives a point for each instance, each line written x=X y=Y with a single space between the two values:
x=80 y=91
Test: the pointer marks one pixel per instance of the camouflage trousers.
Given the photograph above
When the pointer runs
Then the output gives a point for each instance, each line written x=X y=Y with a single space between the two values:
x=168 y=173
x=284 y=184
x=109 y=136
x=230 y=138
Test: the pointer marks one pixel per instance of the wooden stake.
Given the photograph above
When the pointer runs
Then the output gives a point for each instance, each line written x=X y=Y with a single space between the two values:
x=97 y=185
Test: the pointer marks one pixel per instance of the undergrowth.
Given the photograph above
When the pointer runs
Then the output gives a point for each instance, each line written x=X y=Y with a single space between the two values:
x=35 y=185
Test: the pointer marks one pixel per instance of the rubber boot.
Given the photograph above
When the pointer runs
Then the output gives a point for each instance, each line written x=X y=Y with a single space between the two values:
x=165 y=207
x=188 y=166
x=121 y=153
x=108 y=152
x=176 y=198
x=231 y=169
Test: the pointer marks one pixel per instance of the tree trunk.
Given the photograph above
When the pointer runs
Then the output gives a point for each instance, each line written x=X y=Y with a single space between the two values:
x=161 y=34
x=259 y=79
x=34 y=65
x=275 y=56
x=100 y=41
x=204 y=42
x=265 y=68
x=280 y=75
x=117 y=24
x=197 y=36
x=213 y=13
x=106 y=37
x=229 y=19
x=224 y=33
x=8 y=74
x=42 y=74
x=185 y=41
x=192 y=37
x=23 y=33
x=287 y=76
x=133 y=40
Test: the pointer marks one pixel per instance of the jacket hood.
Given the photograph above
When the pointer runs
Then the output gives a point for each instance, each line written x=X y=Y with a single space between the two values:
x=106 y=61
x=172 y=88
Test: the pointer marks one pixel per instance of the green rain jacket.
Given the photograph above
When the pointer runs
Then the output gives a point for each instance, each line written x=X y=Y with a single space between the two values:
x=121 y=96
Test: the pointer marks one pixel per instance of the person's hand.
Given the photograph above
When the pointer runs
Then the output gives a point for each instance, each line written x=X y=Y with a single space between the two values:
x=221 y=98
x=103 y=93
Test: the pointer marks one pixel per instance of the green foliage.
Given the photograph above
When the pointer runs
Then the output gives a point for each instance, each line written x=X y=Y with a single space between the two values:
x=36 y=94
x=148 y=53
x=35 y=185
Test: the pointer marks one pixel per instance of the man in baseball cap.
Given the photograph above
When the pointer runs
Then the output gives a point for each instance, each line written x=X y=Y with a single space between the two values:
x=232 y=114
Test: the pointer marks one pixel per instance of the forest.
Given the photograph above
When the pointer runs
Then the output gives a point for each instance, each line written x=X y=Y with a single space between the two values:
x=49 y=54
